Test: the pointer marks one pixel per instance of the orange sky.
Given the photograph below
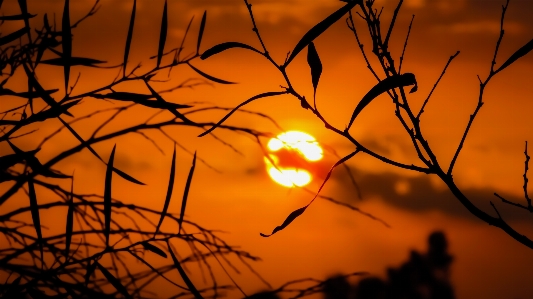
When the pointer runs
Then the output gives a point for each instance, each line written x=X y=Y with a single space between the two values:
x=327 y=239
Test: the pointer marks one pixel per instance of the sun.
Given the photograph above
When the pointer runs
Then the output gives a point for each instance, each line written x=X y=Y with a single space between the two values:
x=290 y=158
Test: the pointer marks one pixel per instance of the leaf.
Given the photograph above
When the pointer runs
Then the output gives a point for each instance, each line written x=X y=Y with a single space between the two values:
x=52 y=112
x=129 y=37
x=316 y=66
x=141 y=99
x=383 y=86
x=262 y=95
x=25 y=16
x=519 y=53
x=40 y=90
x=107 y=196
x=88 y=146
x=225 y=46
x=201 y=32
x=34 y=208
x=162 y=35
x=70 y=220
x=209 y=77
x=66 y=43
x=319 y=28
x=184 y=276
x=297 y=213
x=169 y=191
x=17 y=17
x=154 y=249
x=12 y=36
x=287 y=221
x=83 y=61
x=162 y=101
x=114 y=281
x=186 y=192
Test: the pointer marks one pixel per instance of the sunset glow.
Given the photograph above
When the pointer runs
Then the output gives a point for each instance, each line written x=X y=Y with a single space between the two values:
x=291 y=152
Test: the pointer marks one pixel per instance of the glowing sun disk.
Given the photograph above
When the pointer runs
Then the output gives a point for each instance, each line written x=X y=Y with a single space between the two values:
x=301 y=142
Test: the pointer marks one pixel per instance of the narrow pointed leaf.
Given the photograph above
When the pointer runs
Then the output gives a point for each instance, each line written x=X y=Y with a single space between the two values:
x=83 y=61
x=17 y=17
x=12 y=36
x=382 y=87
x=70 y=220
x=127 y=177
x=142 y=99
x=201 y=32
x=184 y=276
x=287 y=221
x=162 y=35
x=225 y=46
x=114 y=281
x=154 y=249
x=209 y=77
x=161 y=100
x=186 y=192
x=297 y=213
x=169 y=191
x=66 y=42
x=314 y=63
x=88 y=146
x=40 y=90
x=107 y=196
x=519 y=53
x=129 y=37
x=319 y=28
x=34 y=208
x=26 y=16
x=262 y=95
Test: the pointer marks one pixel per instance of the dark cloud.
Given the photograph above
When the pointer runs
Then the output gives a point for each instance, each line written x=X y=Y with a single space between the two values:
x=420 y=194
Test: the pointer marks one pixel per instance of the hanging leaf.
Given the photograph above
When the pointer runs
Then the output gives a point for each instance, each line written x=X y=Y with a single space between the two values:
x=209 y=77
x=88 y=146
x=201 y=32
x=34 y=208
x=107 y=196
x=163 y=102
x=184 y=276
x=114 y=281
x=40 y=90
x=519 y=53
x=316 y=66
x=319 y=28
x=382 y=87
x=129 y=37
x=287 y=221
x=83 y=61
x=154 y=249
x=70 y=220
x=66 y=42
x=169 y=191
x=262 y=95
x=186 y=192
x=162 y=35
x=224 y=46
x=297 y=213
